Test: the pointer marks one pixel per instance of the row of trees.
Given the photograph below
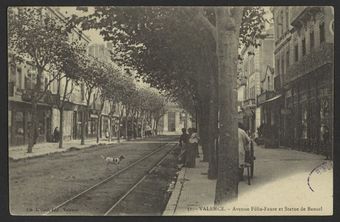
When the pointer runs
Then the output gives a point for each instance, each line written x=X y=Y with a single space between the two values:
x=36 y=37
x=190 y=53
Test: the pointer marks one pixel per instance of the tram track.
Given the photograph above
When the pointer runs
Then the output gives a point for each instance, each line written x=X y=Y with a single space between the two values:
x=112 y=189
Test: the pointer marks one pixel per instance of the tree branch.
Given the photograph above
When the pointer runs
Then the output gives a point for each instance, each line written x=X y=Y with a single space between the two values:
x=206 y=23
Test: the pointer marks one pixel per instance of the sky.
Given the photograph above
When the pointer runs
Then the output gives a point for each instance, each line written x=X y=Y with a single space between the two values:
x=94 y=35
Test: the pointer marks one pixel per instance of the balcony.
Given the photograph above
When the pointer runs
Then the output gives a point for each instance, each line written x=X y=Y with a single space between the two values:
x=299 y=14
x=48 y=98
x=312 y=61
x=264 y=97
x=249 y=102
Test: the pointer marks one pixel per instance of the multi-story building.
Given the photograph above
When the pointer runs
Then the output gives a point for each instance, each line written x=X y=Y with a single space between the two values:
x=255 y=62
x=304 y=61
x=21 y=82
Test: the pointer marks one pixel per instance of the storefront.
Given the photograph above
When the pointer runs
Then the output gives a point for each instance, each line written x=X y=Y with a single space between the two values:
x=271 y=127
x=309 y=124
x=104 y=126
x=20 y=118
x=92 y=125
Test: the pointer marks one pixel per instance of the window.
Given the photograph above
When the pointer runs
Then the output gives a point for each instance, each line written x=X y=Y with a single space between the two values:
x=282 y=65
x=322 y=32
x=296 y=52
x=19 y=73
x=19 y=123
x=303 y=46
x=94 y=101
x=251 y=65
x=311 y=39
x=278 y=66
x=171 y=121
x=268 y=79
x=46 y=83
x=277 y=22
x=28 y=83
x=287 y=58
x=252 y=92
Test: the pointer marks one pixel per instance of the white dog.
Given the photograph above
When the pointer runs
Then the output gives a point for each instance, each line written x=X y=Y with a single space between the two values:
x=113 y=160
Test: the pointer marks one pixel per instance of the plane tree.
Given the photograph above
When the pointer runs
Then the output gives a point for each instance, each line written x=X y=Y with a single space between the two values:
x=174 y=48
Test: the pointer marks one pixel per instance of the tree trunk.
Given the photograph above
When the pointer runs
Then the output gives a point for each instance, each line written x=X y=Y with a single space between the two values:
x=110 y=129
x=142 y=128
x=83 y=126
x=33 y=135
x=33 y=130
x=227 y=52
x=118 y=133
x=98 y=127
x=61 y=126
x=212 y=129
x=156 y=126
x=126 y=129
x=136 y=128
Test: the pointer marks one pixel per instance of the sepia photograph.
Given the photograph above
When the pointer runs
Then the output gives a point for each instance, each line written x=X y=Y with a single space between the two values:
x=170 y=110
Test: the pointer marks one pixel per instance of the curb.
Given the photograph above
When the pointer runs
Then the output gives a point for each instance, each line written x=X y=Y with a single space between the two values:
x=175 y=195
x=72 y=148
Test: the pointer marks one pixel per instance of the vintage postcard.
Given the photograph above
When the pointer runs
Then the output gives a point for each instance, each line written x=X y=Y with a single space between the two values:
x=164 y=110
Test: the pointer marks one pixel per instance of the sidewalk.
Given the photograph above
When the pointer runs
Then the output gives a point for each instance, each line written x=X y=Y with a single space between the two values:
x=41 y=149
x=282 y=185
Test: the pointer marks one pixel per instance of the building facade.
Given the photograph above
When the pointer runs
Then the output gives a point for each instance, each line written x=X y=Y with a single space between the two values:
x=21 y=81
x=304 y=61
x=174 y=119
x=255 y=62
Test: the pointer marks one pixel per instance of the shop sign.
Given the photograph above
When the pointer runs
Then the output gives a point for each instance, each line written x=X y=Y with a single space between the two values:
x=93 y=116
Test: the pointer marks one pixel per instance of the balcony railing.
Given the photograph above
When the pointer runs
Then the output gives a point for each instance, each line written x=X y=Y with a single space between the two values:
x=48 y=97
x=301 y=13
x=264 y=96
x=249 y=102
x=315 y=59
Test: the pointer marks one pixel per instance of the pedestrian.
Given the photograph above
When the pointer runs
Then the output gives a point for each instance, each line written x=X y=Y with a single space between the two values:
x=183 y=141
x=192 y=148
x=56 y=134
x=195 y=140
x=243 y=148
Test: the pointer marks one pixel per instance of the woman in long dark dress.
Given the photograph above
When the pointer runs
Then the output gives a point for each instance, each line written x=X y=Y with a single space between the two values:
x=192 y=147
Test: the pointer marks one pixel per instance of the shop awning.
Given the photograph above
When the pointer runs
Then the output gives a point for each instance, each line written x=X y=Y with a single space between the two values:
x=272 y=99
